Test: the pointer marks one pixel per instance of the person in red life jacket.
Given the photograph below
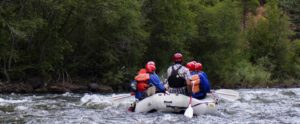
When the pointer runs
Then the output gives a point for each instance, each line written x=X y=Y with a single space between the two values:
x=177 y=75
x=199 y=85
x=146 y=78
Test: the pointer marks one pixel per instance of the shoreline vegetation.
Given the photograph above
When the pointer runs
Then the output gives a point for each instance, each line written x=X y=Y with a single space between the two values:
x=57 y=46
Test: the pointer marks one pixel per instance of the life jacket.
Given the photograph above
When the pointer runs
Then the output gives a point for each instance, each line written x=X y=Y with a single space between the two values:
x=196 y=86
x=176 y=80
x=142 y=81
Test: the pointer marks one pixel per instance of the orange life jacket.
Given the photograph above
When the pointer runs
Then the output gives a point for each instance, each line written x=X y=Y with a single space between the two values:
x=142 y=81
x=196 y=80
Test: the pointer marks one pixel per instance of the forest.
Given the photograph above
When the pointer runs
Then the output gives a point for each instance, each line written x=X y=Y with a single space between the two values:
x=241 y=43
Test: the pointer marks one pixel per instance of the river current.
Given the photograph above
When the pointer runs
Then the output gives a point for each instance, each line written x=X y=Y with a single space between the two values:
x=256 y=106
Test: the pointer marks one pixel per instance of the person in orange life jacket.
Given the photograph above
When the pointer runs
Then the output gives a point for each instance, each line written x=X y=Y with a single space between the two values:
x=145 y=78
x=177 y=75
x=199 y=83
x=191 y=67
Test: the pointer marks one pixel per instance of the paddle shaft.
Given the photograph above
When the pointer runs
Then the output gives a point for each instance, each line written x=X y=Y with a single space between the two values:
x=118 y=98
x=225 y=94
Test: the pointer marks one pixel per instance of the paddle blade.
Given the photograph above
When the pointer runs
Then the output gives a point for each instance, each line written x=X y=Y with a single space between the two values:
x=227 y=94
x=189 y=112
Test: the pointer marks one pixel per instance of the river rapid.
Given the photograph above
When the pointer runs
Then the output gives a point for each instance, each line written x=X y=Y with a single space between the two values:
x=255 y=106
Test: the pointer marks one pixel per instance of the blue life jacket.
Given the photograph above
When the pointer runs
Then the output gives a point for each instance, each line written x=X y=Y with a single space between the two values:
x=204 y=85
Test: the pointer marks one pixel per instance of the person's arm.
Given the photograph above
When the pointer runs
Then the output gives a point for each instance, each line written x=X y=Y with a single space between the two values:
x=169 y=71
x=154 y=80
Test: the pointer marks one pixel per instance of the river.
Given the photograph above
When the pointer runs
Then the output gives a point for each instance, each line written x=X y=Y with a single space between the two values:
x=255 y=106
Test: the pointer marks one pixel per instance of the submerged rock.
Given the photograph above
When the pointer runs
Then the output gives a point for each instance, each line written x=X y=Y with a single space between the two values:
x=15 y=88
x=66 y=87
x=95 y=87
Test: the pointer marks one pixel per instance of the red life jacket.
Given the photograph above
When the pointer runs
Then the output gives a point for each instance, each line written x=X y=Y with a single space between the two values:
x=142 y=80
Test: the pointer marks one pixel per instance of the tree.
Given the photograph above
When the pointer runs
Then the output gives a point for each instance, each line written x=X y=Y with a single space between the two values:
x=218 y=45
x=292 y=7
x=171 y=26
x=269 y=42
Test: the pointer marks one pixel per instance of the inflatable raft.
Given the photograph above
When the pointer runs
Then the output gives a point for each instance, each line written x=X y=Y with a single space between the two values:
x=176 y=103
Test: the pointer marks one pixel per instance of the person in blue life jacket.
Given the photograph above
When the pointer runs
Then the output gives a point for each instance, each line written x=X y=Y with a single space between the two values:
x=199 y=84
x=147 y=78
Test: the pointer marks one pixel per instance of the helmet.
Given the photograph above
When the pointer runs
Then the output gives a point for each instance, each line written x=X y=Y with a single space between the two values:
x=150 y=67
x=191 y=66
x=177 y=57
x=151 y=63
x=198 y=66
x=142 y=71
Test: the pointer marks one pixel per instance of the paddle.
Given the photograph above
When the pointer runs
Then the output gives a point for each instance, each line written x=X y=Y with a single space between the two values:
x=114 y=98
x=189 y=111
x=227 y=94
x=118 y=98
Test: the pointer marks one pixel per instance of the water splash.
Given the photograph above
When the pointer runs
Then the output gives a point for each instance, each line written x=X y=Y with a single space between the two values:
x=254 y=106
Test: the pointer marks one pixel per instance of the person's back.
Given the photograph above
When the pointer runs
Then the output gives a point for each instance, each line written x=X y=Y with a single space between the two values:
x=146 y=79
x=142 y=85
x=204 y=82
x=177 y=76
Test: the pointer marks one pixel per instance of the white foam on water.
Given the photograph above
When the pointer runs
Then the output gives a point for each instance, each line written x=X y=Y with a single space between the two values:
x=93 y=98
x=255 y=106
x=21 y=108
x=67 y=94
x=13 y=101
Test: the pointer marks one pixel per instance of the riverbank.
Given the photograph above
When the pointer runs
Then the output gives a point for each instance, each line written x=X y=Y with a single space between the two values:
x=96 y=88
x=54 y=88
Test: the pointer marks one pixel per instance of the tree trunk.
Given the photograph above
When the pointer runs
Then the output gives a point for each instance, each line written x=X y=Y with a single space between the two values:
x=5 y=71
x=244 y=15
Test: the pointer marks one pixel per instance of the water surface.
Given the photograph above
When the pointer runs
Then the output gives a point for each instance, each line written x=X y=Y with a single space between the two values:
x=254 y=106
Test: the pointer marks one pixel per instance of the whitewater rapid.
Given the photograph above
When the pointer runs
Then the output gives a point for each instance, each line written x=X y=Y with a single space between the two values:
x=254 y=106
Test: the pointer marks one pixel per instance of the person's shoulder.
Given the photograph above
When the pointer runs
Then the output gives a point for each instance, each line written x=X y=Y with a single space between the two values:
x=170 y=67
x=185 y=69
x=153 y=75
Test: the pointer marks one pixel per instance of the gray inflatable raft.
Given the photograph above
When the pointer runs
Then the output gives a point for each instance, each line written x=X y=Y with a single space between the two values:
x=176 y=103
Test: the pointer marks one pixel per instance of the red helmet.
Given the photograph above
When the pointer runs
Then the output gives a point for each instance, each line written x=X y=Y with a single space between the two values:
x=142 y=71
x=177 y=57
x=191 y=66
x=198 y=67
x=150 y=66
x=151 y=63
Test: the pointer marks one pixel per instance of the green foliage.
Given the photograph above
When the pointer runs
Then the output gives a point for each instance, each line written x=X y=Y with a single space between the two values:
x=248 y=75
x=269 y=42
x=294 y=65
x=292 y=8
x=108 y=41
x=171 y=26
x=218 y=45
